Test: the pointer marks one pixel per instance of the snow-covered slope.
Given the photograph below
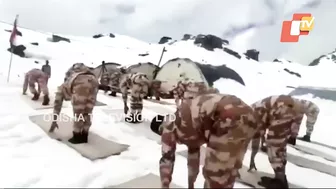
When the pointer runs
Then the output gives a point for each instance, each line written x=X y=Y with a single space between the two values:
x=29 y=158
x=258 y=21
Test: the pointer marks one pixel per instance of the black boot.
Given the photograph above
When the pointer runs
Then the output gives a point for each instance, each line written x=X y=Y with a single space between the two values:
x=269 y=182
x=263 y=148
x=145 y=97
x=36 y=97
x=292 y=141
x=85 y=135
x=134 y=118
x=46 y=100
x=306 y=138
x=157 y=98
x=113 y=93
x=77 y=138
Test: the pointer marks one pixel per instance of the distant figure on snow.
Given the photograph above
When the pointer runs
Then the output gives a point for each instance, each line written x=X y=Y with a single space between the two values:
x=47 y=69
x=112 y=80
x=224 y=122
x=81 y=87
x=39 y=77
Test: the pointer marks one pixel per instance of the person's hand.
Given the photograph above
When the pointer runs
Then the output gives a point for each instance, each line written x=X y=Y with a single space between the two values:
x=126 y=109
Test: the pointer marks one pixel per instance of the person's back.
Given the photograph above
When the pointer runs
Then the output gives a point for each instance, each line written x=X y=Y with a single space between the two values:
x=224 y=122
x=35 y=74
x=81 y=87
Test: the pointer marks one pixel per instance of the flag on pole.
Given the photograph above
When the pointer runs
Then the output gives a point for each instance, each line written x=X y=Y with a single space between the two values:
x=14 y=32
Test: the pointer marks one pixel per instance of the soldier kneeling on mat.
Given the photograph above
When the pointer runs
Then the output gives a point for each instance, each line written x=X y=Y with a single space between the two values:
x=223 y=122
x=138 y=83
x=41 y=78
x=81 y=87
x=275 y=114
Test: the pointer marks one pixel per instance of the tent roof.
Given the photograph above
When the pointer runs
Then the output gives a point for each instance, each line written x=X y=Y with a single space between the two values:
x=213 y=73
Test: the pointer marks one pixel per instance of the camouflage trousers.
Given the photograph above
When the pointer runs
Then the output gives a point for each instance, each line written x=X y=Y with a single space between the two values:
x=82 y=122
x=42 y=86
x=83 y=104
x=136 y=105
x=225 y=153
x=276 y=141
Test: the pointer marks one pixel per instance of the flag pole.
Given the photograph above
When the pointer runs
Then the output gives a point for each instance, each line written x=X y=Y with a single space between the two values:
x=10 y=63
x=12 y=46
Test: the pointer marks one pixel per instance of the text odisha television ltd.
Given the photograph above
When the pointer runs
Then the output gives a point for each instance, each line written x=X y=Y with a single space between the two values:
x=114 y=117
x=301 y=24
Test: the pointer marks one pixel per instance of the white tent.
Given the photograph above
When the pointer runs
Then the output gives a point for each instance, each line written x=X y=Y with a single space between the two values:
x=146 y=68
x=185 y=69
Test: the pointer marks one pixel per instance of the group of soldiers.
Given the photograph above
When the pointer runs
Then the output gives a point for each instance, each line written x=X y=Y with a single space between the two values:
x=204 y=116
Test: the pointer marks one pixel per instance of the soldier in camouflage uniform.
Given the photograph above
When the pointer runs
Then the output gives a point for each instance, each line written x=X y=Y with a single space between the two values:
x=311 y=110
x=111 y=79
x=81 y=87
x=139 y=84
x=39 y=77
x=223 y=122
x=155 y=89
x=303 y=107
x=188 y=90
x=275 y=113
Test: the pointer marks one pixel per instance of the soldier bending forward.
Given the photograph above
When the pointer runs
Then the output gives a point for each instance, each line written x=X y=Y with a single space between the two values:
x=223 y=122
x=39 y=77
x=139 y=85
x=81 y=87
x=277 y=114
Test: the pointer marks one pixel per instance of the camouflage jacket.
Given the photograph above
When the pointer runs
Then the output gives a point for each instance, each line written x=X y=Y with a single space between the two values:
x=272 y=108
x=36 y=74
x=275 y=113
x=65 y=91
x=111 y=79
x=75 y=68
x=188 y=90
x=138 y=83
x=194 y=123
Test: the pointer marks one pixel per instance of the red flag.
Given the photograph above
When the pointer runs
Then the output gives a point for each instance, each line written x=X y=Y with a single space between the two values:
x=14 y=31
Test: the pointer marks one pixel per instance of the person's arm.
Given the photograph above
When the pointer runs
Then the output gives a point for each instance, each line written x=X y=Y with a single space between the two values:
x=260 y=115
x=312 y=112
x=295 y=128
x=25 y=84
x=255 y=148
x=193 y=165
x=168 y=140
x=59 y=98
x=124 y=90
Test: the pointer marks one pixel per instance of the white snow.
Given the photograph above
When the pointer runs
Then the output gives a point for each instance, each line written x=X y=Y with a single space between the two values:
x=29 y=158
